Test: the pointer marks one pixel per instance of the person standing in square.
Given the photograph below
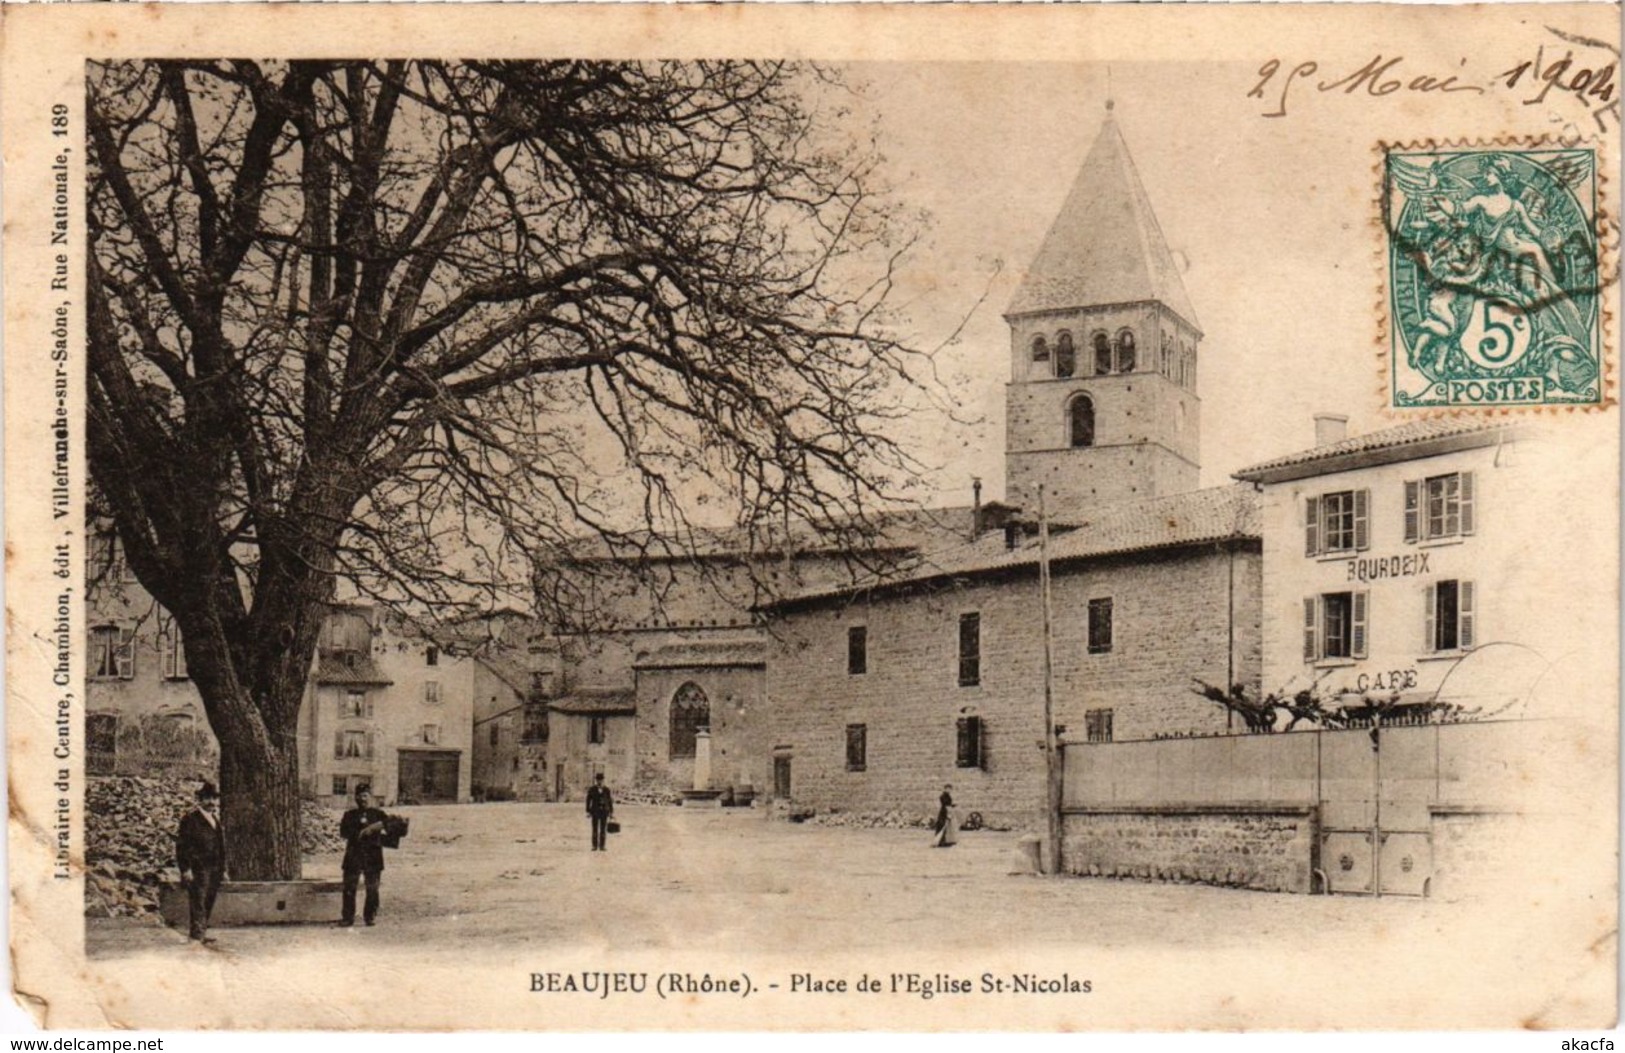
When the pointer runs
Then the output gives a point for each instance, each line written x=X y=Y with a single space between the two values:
x=362 y=828
x=200 y=855
x=600 y=806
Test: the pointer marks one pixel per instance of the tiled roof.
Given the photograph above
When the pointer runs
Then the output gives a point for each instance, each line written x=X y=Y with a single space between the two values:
x=597 y=701
x=349 y=670
x=882 y=531
x=1413 y=439
x=1105 y=246
x=715 y=653
x=1200 y=516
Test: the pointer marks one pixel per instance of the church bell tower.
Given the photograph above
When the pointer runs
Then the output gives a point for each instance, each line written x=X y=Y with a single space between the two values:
x=1101 y=405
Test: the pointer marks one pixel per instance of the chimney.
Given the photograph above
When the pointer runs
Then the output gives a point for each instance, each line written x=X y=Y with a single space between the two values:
x=1330 y=428
x=976 y=507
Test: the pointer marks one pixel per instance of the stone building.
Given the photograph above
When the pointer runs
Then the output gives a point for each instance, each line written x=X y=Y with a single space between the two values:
x=667 y=639
x=880 y=694
x=388 y=707
x=142 y=714
x=1102 y=404
x=384 y=704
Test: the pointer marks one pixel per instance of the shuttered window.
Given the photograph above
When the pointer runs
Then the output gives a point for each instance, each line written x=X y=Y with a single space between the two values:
x=970 y=747
x=355 y=705
x=112 y=653
x=1440 y=506
x=1335 y=625
x=1450 y=623
x=1337 y=522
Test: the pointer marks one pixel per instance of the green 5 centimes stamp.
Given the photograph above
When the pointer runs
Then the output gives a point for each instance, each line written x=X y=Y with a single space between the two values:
x=1493 y=277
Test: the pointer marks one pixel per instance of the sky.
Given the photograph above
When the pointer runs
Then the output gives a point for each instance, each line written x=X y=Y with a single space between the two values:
x=1269 y=224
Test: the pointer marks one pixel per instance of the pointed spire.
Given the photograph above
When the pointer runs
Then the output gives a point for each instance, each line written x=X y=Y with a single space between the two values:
x=1105 y=246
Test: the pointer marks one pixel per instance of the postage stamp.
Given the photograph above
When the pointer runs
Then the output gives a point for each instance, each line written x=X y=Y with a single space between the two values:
x=1493 y=277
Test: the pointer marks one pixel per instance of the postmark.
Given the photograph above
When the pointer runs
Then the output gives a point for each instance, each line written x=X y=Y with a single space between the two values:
x=1494 y=276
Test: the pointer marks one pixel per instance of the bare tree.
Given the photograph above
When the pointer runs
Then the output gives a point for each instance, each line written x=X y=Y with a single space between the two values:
x=387 y=323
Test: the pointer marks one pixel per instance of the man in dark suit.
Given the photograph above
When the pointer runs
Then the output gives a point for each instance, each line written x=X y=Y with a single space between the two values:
x=200 y=855
x=362 y=828
x=600 y=806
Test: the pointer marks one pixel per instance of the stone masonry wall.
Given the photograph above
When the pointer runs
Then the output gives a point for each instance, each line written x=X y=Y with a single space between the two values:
x=1266 y=850
x=1171 y=623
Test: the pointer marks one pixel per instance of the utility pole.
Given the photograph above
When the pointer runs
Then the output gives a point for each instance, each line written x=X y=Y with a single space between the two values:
x=1052 y=755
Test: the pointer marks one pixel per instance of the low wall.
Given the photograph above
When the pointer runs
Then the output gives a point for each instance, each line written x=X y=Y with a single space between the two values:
x=1266 y=847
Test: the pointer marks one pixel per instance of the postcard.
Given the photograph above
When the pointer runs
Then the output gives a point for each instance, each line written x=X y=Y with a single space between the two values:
x=812 y=517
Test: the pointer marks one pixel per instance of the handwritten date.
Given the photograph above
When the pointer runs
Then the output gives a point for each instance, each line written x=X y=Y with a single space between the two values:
x=1593 y=84
x=1377 y=78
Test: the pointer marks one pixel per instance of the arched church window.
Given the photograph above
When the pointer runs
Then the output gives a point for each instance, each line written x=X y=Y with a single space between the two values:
x=690 y=711
x=1080 y=415
x=1066 y=359
x=1103 y=353
x=1125 y=351
x=1040 y=349
x=1167 y=366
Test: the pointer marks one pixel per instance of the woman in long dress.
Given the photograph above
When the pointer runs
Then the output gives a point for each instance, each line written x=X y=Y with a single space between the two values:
x=947 y=825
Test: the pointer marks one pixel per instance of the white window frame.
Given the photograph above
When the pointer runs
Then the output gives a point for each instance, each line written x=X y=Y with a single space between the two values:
x=1457 y=514
x=171 y=650
x=1319 y=515
x=361 y=711
x=112 y=653
x=1466 y=616
x=1316 y=611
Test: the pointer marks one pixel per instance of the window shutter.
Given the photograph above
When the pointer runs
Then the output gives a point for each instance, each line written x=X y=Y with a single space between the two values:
x=1362 y=524
x=366 y=708
x=1467 y=517
x=1413 y=511
x=126 y=654
x=1311 y=526
x=1466 y=630
x=371 y=737
x=970 y=742
x=1430 y=634
x=1311 y=623
x=1357 y=630
x=338 y=745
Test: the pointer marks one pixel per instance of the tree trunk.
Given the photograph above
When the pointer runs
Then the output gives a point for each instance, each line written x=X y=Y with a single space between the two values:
x=259 y=791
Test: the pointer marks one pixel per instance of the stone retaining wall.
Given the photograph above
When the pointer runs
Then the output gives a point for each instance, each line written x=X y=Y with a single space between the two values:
x=1270 y=848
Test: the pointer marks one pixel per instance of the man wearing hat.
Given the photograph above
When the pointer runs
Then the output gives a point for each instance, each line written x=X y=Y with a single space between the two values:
x=200 y=855
x=600 y=806
x=362 y=828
